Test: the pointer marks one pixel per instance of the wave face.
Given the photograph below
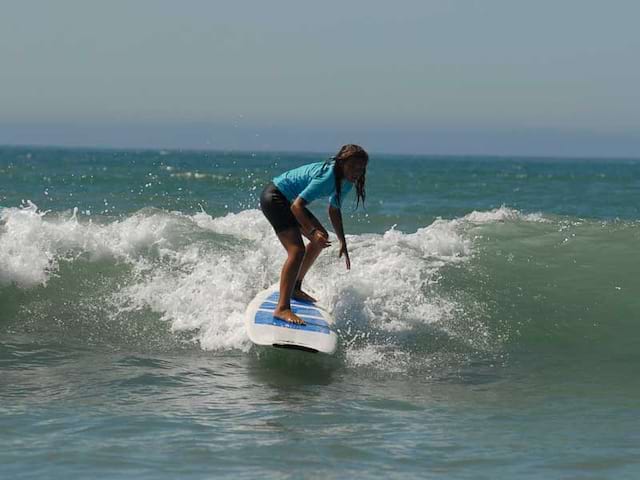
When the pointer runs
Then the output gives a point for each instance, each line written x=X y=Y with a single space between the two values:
x=488 y=283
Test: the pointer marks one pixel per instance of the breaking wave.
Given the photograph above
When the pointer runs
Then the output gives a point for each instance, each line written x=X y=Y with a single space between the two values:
x=489 y=282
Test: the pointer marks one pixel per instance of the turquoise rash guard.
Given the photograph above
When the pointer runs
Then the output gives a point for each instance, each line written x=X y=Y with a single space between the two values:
x=312 y=181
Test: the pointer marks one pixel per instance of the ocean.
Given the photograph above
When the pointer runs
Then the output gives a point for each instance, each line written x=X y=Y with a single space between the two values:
x=489 y=326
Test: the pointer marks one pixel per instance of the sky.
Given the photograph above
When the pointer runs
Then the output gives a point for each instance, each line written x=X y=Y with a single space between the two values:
x=550 y=77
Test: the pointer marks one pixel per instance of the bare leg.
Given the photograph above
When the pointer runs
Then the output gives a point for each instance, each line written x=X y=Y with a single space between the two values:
x=310 y=255
x=292 y=242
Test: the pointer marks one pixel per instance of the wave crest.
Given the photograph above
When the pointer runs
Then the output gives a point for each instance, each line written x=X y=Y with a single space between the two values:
x=483 y=282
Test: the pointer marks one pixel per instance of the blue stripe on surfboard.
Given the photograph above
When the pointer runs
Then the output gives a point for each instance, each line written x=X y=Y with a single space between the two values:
x=267 y=318
x=275 y=296
x=294 y=308
x=312 y=320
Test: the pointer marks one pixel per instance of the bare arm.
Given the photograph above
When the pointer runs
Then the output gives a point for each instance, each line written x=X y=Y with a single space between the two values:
x=305 y=218
x=335 y=214
x=311 y=227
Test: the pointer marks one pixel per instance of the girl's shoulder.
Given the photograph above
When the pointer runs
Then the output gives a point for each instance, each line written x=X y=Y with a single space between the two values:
x=322 y=169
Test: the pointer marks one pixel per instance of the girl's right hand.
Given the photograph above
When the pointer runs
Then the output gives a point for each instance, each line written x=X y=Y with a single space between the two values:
x=319 y=238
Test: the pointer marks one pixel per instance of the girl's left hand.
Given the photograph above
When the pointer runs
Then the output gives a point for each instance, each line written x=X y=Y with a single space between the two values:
x=345 y=252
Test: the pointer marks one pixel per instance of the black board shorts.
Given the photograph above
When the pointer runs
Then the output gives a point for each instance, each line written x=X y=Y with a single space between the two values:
x=277 y=209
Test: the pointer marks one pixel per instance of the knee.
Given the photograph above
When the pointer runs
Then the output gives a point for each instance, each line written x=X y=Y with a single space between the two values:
x=296 y=254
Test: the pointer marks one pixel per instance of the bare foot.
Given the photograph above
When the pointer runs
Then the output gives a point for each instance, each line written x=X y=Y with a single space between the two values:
x=302 y=296
x=288 y=316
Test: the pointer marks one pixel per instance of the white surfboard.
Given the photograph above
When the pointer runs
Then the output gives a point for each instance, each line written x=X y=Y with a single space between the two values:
x=317 y=335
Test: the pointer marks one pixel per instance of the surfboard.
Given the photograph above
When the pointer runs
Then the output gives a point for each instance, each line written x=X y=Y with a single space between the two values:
x=317 y=335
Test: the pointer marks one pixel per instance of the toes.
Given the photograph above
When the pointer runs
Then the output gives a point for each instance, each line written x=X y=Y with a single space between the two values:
x=291 y=318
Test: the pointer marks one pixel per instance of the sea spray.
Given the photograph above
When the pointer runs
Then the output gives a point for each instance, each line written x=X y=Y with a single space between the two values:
x=198 y=272
x=471 y=284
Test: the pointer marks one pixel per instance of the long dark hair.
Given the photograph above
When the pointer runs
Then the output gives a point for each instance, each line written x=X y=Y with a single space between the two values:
x=348 y=152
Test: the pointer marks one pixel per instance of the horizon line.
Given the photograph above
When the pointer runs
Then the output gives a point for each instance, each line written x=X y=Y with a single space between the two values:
x=113 y=148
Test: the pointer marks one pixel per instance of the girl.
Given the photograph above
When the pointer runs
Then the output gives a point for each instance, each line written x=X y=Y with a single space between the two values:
x=284 y=203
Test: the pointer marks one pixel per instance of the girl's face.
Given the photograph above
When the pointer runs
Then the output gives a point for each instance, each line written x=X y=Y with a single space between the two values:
x=354 y=168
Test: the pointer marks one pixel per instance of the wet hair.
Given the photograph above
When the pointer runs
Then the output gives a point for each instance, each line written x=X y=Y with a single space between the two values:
x=349 y=152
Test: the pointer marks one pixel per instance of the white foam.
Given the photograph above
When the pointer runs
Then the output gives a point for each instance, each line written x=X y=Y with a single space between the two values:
x=379 y=357
x=208 y=297
x=502 y=214
x=197 y=175
x=391 y=274
x=209 y=292
x=212 y=289
x=32 y=243
x=248 y=224
x=204 y=285
x=25 y=252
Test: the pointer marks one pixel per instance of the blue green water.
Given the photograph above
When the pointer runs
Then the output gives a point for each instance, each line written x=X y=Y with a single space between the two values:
x=489 y=327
